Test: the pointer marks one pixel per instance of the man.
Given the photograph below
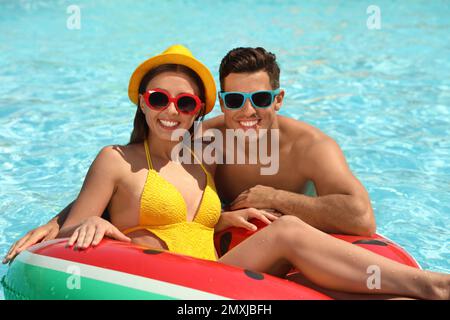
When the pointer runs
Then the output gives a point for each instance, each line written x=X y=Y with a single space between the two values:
x=306 y=156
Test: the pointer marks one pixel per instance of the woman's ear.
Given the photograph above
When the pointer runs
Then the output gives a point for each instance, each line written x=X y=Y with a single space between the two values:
x=279 y=100
x=202 y=109
x=141 y=103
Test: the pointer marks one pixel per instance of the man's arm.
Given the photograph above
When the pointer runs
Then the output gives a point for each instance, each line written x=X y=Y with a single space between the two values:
x=342 y=204
x=61 y=217
x=213 y=123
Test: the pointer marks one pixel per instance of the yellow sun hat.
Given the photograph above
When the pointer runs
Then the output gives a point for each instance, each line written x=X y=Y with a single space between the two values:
x=176 y=54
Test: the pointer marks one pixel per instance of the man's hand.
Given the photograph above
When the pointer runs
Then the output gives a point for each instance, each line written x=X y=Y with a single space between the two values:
x=48 y=231
x=259 y=197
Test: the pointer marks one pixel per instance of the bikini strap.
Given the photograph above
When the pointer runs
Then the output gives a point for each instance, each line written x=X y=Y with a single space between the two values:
x=150 y=164
x=147 y=153
x=204 y=169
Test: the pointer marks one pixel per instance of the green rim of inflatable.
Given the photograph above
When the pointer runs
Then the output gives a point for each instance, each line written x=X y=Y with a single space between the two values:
x=65 y=281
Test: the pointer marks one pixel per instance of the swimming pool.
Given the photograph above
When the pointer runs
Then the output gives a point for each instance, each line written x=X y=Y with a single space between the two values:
x=384 y=95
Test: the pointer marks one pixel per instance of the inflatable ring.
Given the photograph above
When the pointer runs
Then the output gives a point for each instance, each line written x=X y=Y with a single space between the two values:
x=119 y=270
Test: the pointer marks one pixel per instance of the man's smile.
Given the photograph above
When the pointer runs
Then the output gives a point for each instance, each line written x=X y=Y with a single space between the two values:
x=249 y=123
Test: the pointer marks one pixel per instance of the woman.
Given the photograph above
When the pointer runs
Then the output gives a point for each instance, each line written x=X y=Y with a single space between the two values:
x=164 y=204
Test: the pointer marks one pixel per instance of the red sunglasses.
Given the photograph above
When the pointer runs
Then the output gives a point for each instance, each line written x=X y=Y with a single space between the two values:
x=159 y=99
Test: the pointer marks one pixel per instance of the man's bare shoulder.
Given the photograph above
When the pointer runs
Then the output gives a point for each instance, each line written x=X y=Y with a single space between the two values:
x=311 y=147
x=303 y=135
x=214 y=123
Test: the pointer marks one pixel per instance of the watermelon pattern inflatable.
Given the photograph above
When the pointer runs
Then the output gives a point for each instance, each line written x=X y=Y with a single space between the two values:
x=119 y=270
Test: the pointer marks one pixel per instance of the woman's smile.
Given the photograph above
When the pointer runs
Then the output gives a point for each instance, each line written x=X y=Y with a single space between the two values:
x=168 y=124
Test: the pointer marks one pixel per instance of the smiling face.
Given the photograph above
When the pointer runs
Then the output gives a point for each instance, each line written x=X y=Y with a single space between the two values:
x=163 y=123
x=249 y=117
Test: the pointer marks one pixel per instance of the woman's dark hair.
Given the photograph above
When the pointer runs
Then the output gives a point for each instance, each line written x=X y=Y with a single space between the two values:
x=245 y=60
x=140 y=129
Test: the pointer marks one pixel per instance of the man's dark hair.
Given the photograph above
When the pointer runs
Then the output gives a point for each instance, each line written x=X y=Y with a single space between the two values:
x=246 y=60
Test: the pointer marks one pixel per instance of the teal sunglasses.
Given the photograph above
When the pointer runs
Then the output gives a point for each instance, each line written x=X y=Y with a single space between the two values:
x=260 y=99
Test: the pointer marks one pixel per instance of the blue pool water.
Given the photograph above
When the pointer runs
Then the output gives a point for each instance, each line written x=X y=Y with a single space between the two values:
x=384 y=95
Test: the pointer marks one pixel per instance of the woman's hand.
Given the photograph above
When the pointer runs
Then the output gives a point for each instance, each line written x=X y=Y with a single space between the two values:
x=240 y=218
x=48 y=231
x=92 y=231
x=258 y=197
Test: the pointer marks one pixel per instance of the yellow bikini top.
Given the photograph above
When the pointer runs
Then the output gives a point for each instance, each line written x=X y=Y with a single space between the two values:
x=163 y=212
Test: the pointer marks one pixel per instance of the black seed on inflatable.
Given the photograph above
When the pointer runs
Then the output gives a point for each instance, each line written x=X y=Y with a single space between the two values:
x=371 y=241
x=225 y=241
x=151 y=251
x=254 y=275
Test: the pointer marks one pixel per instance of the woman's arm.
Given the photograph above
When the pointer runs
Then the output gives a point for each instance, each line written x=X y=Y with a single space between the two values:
x=45 y=232
x=103 y=172
x=96 y=192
